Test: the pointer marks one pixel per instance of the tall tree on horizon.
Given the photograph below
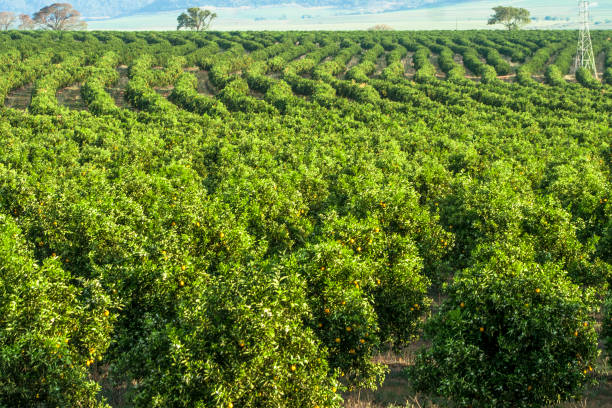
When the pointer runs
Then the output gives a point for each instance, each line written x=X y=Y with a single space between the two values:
x=511 y=17
x=196 y=19
x=6 y=20
x=59 y=17
x=26 y=22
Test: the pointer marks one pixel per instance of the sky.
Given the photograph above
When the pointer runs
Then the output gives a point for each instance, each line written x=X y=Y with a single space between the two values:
x=469 y=15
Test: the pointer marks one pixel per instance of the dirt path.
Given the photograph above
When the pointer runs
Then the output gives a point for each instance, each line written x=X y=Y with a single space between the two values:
x=408 y=64
x=458 y=58
x=19 y=98
x=352 y=62
x=434 y=59
x=70 y=97
x=117 y=91
x=600 y=64
x=204 y=85
x=381 y=64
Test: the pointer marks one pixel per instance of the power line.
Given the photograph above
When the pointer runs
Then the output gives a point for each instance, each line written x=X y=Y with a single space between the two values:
x=585 y=58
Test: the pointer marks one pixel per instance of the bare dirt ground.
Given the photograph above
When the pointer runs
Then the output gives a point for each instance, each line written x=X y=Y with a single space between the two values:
x=434 y=59
x=509 y=61
x=164 y=91
x=352 y=62
x=600 y=64
x=507 y=78
x=204 y=85
x=381 y=64
x=117 y=91
x=459 y=60
x=409 y=65
x=19 y=98
x=70 y=97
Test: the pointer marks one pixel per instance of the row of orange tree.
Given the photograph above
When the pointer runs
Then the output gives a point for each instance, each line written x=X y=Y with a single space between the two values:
x=260 y=245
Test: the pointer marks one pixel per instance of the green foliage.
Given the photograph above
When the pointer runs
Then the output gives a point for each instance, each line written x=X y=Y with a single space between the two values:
x=554 y=76
x=502 y=67
x=425 y=69
x=43 y=100
x=509 y=334
x=233 y=342
x=454 y=72
x=585 y=77
x=53 y=327
x=186 y=96
x=608 y=75
x=93 y=90
x=289 y=195
x=473 y=63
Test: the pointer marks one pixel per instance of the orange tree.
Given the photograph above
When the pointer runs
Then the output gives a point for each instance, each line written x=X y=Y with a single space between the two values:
x=237 y=339
x=52 y=328
x=510 y=334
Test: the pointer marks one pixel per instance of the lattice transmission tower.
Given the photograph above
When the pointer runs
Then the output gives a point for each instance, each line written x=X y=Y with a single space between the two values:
x=585 y=57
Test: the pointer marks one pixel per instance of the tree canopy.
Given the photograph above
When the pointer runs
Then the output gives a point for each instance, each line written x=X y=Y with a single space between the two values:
x=196 y=19
x=59 y=17
x=26 y=22
x=511 y=17
x=6 y=20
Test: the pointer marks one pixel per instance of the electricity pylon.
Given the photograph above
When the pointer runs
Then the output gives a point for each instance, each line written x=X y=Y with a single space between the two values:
x=585 y=57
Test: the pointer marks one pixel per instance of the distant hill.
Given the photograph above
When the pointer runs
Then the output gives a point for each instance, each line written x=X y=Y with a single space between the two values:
x=112 y=8
x=89 y=8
